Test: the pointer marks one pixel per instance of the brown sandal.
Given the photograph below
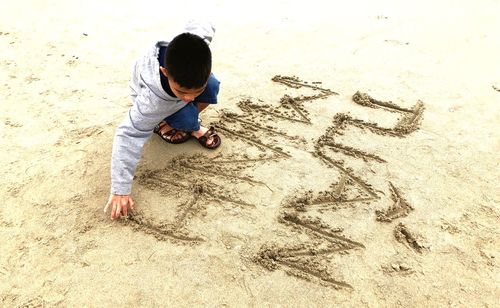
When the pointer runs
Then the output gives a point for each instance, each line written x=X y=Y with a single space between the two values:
x=167 y=136
x=203 y=140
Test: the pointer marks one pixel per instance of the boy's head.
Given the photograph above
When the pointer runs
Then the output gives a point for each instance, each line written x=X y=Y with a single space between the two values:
x=188 y=63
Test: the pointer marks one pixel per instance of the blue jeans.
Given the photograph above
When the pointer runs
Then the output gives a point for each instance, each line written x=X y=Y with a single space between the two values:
x=187 y=117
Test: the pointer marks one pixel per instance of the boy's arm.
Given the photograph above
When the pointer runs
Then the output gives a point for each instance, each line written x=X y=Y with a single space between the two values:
x=129 y=140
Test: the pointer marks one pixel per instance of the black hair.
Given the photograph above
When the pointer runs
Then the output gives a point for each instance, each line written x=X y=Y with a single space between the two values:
x=188 y=60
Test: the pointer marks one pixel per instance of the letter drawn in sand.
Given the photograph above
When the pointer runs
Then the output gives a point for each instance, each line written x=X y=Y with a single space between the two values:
x=400 y=207
x=179 y=177
x=304 y=260
x=309 y=260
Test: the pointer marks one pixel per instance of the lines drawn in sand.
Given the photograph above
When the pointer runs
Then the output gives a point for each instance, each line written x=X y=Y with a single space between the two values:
x=295 y=82
x=250 y=138
x=308 y=260
x=317 y=228
x=399 y=208
x=304 y=261
x=225 y=166
x=347 y=150
x=161 y=232
x=258 y=120
x=289 y=108
x=408 y=123
x=174 y=179
x=345 y=191
x=409 y=238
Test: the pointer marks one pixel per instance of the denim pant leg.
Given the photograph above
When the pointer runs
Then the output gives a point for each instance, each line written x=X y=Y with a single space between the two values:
x=185 y=119
x=209 y=95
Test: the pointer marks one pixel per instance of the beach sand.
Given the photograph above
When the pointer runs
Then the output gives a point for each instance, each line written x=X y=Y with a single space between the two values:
x=359 y=164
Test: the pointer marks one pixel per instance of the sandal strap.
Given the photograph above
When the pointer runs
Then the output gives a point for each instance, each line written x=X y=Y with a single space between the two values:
x=210 y=133
x=159 y=126
x=169 y=133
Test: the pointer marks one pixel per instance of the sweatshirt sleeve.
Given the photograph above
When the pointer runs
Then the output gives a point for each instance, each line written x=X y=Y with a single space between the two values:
x=130 y=137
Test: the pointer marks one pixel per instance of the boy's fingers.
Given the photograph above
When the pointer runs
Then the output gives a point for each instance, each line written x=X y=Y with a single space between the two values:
x=125 y=210
x=118 y=210
x=113 y=210
x=119 y=204
x=123 y=206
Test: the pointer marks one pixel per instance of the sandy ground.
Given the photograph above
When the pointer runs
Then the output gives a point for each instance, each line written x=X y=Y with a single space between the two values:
x=317 y=196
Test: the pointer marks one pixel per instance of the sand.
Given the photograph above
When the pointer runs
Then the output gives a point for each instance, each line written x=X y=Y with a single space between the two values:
x=359 y=164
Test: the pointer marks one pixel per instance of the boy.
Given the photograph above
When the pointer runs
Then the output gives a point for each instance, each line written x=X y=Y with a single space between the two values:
x=170 y=85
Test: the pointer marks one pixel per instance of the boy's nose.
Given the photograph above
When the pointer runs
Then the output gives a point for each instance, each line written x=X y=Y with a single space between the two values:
x=187 y=99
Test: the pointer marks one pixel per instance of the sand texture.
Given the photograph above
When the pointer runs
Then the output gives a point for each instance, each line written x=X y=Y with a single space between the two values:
x=359 y=163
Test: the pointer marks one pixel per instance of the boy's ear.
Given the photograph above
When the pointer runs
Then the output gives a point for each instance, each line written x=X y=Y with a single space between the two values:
x=164 y=71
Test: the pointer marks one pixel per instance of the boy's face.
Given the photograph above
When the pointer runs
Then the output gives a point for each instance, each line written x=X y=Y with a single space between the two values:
x=185 y=94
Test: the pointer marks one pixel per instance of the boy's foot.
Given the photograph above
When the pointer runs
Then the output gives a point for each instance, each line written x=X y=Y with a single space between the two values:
x=207 y=137
x=171 y=135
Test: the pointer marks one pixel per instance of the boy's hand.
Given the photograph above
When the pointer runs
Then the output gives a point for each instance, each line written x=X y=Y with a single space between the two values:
x=119 y=204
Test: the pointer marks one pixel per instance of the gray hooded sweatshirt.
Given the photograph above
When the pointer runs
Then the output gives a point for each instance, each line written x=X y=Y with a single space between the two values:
x=151 y=104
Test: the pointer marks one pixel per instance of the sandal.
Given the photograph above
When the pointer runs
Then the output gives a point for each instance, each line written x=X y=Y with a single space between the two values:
x=216 y=141
x=167 y=136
